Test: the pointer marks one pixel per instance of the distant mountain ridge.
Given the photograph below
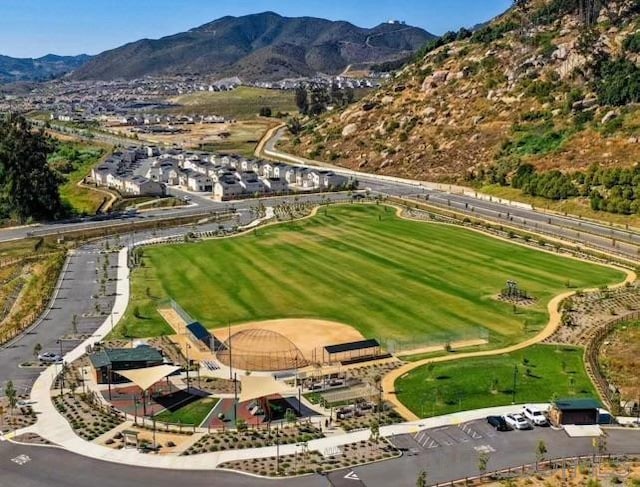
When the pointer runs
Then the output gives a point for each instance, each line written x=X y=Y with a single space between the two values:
x=39 y=69
x=265 y=46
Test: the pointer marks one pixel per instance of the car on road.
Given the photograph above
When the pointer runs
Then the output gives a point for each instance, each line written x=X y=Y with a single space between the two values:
x=49 y=358
x=535 y=415
x=498 y=422
x=517 y=421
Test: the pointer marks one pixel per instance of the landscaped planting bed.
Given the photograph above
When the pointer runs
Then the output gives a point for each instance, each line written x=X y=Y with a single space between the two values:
x=85 y=416
x=386 y=417
x=306 y=462
x=254 y=438
x=20 y=417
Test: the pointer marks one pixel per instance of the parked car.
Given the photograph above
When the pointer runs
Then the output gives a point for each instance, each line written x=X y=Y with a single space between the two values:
x=50 y=358
x=517 y=421
x=498 y=422
x=535 y=415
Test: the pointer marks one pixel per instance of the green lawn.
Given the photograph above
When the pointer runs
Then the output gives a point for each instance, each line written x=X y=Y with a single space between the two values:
x=242 y=103
x=544 y=371
x=192 y=414
x=75 y=161
x=359 y=265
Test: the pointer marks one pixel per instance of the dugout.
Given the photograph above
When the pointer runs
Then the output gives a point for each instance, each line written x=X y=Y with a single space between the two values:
x=352 y=352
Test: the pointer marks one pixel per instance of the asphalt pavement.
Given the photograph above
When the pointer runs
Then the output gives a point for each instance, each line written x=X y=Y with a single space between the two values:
x=445 y=453
x=25 y=466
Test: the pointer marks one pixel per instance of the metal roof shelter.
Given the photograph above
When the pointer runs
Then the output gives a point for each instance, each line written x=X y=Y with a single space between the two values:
x=348 y=352
x=117 y=357
x=576 y=404
x=200 y=334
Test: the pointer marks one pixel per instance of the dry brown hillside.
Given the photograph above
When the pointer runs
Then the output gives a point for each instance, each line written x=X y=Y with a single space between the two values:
x=531 y=86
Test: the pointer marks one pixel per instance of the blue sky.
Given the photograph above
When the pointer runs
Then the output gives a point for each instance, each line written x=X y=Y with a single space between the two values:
x=32 y=28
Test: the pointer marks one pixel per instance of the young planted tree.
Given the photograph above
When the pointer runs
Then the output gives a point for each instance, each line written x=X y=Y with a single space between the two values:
x=483 y=462
x=541 y=452
x=11 y=395
x=36 y=350
x=421 y=481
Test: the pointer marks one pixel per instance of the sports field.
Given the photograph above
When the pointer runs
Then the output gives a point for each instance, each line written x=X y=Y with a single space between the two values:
x=543 y=372
x=362 y=266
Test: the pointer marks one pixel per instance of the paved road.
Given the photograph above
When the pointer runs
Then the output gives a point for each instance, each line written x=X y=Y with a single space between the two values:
x=77 y=296
x=445 y=453
x=52 y=467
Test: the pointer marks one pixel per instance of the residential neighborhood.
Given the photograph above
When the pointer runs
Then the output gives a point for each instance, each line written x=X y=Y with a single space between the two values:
x=149 y=170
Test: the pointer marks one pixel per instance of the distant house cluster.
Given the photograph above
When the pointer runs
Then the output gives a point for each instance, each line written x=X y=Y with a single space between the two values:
x=169 y=119
x=119 y=172
x=149 y=170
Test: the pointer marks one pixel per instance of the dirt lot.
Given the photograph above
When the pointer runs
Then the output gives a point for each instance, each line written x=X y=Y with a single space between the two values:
x=238 y=137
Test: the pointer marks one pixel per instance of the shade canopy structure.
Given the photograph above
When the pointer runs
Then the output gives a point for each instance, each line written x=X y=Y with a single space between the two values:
x=257 y=387
x=145 y=378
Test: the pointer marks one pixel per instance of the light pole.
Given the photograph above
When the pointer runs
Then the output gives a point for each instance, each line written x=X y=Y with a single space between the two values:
x=111 y=315
x=515 y=380
x=188 y=366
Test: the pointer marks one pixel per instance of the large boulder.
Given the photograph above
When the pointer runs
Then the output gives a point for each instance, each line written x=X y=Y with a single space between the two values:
x=609 y=116
x=349 y=130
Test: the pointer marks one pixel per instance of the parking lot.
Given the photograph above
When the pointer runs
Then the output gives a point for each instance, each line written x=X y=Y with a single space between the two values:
x=451 y=452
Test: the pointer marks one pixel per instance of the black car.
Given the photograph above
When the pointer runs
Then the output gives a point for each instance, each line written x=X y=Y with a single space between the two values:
x=498 y=423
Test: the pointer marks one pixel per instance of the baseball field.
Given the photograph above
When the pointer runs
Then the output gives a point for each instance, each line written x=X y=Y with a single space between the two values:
x=363 y=266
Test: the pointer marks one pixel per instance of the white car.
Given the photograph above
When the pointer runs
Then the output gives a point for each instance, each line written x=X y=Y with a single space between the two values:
x=50 y=358
x=535 y=415
x=517 y=421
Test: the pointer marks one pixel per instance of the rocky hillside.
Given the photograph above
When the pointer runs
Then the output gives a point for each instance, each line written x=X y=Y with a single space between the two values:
x=545 y=84
x=263 y=46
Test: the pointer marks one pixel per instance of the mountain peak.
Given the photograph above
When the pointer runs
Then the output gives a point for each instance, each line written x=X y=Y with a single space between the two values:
x=261 y=46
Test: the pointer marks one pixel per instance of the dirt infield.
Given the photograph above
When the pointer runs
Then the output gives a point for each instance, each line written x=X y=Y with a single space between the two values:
x=310 y=336
x=196 y=351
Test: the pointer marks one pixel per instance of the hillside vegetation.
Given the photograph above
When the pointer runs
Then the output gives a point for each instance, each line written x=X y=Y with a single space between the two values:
x=551 y=85
x=263 y=46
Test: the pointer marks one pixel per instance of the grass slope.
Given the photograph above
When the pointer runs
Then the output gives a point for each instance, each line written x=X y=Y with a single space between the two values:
x=448 y=387
x=77 y=160
x=359 y=265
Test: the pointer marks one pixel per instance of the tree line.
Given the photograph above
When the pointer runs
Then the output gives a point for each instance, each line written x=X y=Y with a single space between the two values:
x=29 y=188
x=613 y=190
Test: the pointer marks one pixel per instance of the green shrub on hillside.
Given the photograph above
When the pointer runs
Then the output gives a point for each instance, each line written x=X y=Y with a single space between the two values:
x=618 y=83
x=632 y=43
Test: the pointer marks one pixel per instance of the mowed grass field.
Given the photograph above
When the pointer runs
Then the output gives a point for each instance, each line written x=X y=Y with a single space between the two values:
x=543 y=372
x=362 y=266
